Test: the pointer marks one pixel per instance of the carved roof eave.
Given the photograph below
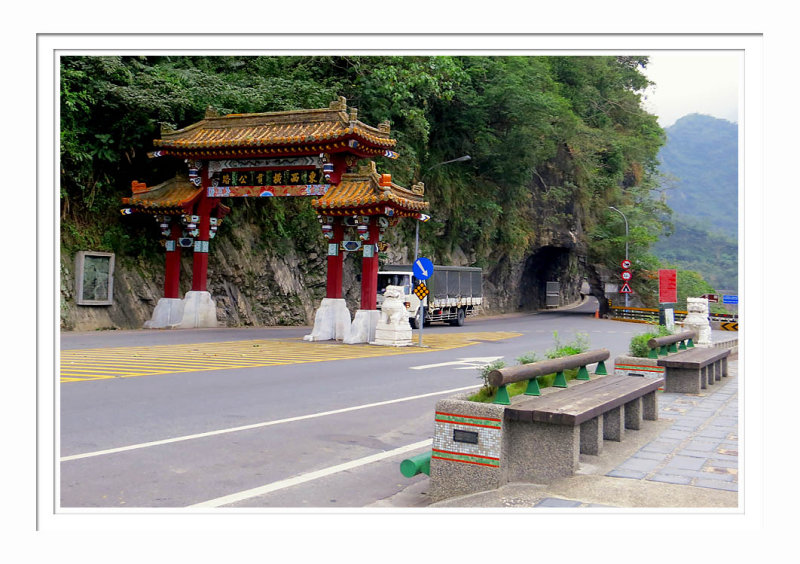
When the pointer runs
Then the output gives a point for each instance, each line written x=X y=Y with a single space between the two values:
x=362 y=192
x=251 y=132
x=176 y=195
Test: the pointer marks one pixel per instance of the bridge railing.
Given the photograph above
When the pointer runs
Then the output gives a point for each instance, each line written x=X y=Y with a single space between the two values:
x=650 y=315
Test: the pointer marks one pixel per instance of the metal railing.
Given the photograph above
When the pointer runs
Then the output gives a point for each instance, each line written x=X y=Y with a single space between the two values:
x=651 y=315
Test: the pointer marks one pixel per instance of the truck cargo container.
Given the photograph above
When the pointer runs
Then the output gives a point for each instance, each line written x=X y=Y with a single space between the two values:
x=455 y=292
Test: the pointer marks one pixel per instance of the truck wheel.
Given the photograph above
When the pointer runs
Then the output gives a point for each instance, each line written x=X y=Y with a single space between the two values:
x=462 y=314
x=414 y=321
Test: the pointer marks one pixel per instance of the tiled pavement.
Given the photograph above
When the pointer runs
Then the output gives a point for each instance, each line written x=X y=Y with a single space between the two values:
x=700 y=448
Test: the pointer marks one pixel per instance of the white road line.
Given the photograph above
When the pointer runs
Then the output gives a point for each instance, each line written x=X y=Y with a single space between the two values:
x=302 y=478
x=473 y=362
x=257 y=425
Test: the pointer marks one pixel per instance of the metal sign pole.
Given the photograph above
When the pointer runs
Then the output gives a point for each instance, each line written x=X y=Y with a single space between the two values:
x=421 y=321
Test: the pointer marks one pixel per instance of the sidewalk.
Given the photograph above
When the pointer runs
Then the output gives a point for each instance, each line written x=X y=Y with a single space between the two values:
x=688 y=458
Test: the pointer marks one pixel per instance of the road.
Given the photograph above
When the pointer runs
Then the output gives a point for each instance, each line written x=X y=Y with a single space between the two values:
x=260 y=418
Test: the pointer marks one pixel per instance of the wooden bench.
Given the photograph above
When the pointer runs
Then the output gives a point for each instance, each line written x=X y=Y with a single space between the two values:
x=548 y=433
x=693 y=370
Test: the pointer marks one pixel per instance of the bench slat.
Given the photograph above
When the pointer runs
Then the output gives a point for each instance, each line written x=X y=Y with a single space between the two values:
x=584 y=401
x=695 y=358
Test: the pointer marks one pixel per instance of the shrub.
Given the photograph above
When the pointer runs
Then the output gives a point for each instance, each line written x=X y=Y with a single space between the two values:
x=638 y=346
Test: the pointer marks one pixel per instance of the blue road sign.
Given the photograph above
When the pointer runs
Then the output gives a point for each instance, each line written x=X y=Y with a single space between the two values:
x=730 y=299
x=423 y=268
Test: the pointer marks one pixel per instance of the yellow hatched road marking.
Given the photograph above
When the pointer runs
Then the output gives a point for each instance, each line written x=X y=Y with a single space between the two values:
x=123 y=362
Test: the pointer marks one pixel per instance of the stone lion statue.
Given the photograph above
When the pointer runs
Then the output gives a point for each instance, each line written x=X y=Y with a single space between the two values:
x=393 y=309
x=697 y=320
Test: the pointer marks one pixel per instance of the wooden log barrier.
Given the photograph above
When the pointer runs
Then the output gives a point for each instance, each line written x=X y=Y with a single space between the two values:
x=501 y=377
x=667 y=344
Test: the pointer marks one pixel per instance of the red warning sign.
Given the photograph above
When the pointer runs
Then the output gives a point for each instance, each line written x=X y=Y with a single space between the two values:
x=626 y=289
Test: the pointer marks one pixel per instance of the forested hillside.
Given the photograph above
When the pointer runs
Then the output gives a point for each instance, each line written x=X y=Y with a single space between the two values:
x=554 y=141
x=700 y=162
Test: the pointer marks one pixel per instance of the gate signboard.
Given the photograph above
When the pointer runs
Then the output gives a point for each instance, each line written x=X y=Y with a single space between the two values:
x=667 y=286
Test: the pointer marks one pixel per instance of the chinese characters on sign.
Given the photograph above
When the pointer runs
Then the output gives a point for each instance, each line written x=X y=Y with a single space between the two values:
x=265 y=183
x=270 y=177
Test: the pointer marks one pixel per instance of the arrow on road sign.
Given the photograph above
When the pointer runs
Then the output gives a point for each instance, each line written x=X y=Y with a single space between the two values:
x=729 y=326
x=423 y=268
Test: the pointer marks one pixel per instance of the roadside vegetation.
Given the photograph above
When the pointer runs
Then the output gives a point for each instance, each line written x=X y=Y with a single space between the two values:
x=554 y=141
x=487 y=393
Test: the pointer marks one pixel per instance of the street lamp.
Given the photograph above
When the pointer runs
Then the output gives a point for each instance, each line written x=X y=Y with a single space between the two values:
x=458 y=160
x=626 y=240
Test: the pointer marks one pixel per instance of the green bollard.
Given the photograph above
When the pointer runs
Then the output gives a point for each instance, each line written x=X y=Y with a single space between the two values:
x=533 y=388
x=652 y=354
x=690 y=344
x=601 y=369
x=673 y=348
x=583 y=374
x=560 y=381
x=501 y=396
x=682 y=346
x=420 y=464
x=663 y=351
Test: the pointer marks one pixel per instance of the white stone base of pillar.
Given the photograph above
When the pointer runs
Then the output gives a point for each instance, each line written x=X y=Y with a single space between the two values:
x=167 y=314
x=199 y=310
x=362 y=330
x=331 y=322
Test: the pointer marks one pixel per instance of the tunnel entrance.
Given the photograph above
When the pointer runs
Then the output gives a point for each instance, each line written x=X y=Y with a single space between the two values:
x=547 y=264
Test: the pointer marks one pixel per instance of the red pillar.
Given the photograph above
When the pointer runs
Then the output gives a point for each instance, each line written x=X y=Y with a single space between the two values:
x=200 y=259
x=335 y=261
x=369 y=269
x=173 y=262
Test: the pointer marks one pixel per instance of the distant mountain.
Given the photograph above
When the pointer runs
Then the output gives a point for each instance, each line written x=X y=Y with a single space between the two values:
x=700 y=161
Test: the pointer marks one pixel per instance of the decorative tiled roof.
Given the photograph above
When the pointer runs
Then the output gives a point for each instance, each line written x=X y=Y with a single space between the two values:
x=176 y=194
x=368 y=193
x=324 y=129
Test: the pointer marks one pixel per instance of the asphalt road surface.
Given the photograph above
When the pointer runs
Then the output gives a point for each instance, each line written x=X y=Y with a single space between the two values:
x=197 y=419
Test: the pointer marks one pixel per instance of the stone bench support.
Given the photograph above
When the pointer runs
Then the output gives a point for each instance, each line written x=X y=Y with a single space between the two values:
x=692 y=371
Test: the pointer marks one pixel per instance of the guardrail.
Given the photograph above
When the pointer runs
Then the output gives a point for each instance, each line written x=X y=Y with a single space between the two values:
x=650 y=315
x=501 y=377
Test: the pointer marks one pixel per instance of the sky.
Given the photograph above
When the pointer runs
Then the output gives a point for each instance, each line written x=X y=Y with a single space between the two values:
x=704 y=82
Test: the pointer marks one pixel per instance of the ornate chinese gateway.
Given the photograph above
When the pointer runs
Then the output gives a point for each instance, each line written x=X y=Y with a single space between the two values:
x=324 y=154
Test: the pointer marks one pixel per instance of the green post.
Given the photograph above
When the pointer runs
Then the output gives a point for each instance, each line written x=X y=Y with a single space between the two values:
x=652 y=354
x=673 y=348
x=663 y=351
x=420 y=464
x=583 y=374
x=501 y=396
x=560 y=381
x=533 y=388
x=690 y=344
x=682 y=345
x=601 y=368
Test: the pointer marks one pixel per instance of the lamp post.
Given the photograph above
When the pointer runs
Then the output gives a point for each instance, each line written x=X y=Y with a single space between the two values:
x=416 y=240
x=626 y=240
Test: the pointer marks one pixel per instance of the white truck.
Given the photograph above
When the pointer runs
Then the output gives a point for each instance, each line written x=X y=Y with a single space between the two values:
x=455 y=292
